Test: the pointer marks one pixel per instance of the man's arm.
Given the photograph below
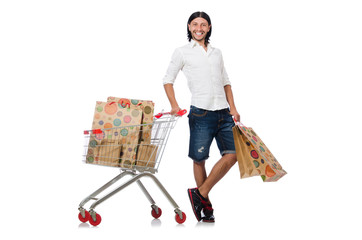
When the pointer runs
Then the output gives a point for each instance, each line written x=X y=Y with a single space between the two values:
x=171 y=97
x=230 y=99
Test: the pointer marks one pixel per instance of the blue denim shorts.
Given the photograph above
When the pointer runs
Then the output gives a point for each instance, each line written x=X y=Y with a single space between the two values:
x=206 y=125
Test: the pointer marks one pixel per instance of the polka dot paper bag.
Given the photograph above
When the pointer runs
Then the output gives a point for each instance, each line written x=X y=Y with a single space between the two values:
x=254 y=158
x=147 y=108
x=115 y=135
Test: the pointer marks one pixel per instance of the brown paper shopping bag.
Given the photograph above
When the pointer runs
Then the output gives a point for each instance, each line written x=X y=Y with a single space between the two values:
x=147 y=109
x=246 y=165
x=108 y=153
x=259 y=160
x=146 y=155
x=117 y=131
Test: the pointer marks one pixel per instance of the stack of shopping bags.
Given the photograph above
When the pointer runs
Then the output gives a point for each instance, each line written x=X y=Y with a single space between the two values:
x=254 y=158
x=121 y=133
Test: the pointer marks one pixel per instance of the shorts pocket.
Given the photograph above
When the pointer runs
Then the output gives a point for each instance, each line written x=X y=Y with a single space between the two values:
x=198 y=112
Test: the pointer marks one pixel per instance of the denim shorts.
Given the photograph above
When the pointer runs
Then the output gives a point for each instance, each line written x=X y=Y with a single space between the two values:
x=206 y=125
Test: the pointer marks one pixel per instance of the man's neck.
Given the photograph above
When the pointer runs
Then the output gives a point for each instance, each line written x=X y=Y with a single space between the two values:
x=202 y=43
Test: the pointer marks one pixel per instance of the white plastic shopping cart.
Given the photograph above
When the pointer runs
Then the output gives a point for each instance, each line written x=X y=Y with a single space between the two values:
x=137 y=150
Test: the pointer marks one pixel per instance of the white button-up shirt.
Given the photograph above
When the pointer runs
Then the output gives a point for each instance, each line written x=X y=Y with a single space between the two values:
x=205 y=73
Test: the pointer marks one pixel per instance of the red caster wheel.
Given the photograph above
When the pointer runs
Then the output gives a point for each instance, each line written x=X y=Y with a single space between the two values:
x=97 y=221
x=154 y=214
x=179 y=220
x=85 y=218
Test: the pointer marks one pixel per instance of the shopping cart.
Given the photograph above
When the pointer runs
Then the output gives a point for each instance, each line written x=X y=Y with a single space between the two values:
x=137 y=150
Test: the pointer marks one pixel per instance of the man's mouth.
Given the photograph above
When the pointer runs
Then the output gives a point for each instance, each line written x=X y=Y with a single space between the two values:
x=199 y=33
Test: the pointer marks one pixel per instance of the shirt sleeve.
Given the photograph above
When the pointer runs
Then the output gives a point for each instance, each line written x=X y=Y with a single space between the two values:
x=224 y=75
x=174 y=67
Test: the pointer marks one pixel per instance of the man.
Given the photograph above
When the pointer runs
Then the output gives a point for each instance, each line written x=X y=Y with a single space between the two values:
x=209 y=115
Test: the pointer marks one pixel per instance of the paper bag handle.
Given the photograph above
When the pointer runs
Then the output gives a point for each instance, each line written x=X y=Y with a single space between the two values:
x=238 y=123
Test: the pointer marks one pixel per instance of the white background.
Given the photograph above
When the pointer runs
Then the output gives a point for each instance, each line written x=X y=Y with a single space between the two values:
x=294 y=67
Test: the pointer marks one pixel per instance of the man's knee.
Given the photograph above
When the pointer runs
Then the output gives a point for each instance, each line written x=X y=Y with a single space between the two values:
x=199 y=163
x=231 y=157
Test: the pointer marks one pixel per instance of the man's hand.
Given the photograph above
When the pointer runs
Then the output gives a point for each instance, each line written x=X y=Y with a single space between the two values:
x=235 y=114
x=175 y=110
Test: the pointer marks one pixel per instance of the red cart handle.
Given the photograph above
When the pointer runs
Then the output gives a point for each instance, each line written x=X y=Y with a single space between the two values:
x=179 y=113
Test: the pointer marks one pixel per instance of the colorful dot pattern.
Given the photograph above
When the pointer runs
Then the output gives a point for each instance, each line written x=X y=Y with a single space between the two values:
x=116 y=123
x=264 y=161
x=249 y=160
x=135 y=106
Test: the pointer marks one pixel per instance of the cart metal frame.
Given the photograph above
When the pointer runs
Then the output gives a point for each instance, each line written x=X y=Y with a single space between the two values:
x=161 y=128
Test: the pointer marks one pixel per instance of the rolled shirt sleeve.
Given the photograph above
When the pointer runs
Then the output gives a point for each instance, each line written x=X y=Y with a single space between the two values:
x=174 y=67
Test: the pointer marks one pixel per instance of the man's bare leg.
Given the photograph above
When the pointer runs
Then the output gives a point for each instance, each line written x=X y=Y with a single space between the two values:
x=199 y=173
x=217 y=172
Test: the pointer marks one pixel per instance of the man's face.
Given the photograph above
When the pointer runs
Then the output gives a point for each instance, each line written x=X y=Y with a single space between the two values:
x=199 y=27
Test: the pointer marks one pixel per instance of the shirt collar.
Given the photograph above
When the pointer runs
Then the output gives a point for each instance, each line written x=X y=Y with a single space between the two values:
x=193 y=43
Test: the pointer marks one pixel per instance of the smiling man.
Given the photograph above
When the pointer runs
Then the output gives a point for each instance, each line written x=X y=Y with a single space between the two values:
x=211 y=112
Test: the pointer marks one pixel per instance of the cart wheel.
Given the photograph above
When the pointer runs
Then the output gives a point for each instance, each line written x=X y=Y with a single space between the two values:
x=97 y=221
x=85 y=218
x=179 y=220
x=154 y=214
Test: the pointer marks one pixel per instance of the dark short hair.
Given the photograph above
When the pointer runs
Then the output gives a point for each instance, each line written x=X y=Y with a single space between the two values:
x=204 y=16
